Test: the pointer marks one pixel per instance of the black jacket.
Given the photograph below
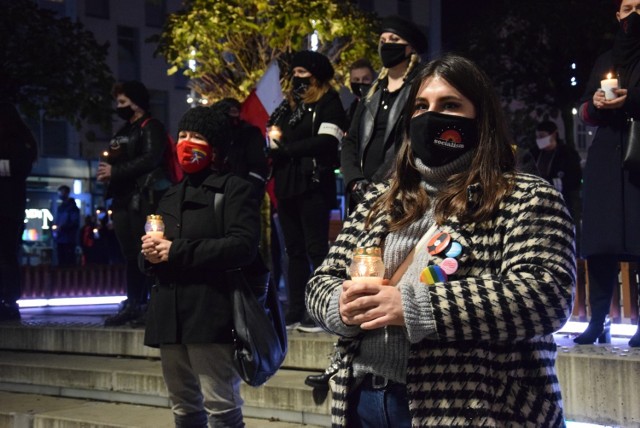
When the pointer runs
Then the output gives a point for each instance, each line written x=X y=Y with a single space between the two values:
x=136 y=158
x=190 y=301
x=356 y=143
x=307 y=159
x=247 y=158
x=564 y=166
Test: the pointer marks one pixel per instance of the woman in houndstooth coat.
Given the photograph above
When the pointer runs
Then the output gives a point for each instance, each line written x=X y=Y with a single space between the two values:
x=480 y=264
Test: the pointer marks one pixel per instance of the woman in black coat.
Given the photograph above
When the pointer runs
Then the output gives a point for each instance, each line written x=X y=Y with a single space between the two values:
x=610 y=227
x=189 y=316
x=305 y=131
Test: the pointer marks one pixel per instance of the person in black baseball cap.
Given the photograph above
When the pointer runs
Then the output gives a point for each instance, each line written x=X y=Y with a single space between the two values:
x=407 y=30
x=369 y=149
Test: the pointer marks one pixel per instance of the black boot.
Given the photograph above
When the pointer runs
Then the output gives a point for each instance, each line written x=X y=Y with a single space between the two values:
x=600 y=330
x=603 y=277
x=634 y=342
x=129 y=311
x=322 y=380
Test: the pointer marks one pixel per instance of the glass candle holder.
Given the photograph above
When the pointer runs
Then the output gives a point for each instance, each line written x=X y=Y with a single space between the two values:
x=367 y=265
x=154 y=226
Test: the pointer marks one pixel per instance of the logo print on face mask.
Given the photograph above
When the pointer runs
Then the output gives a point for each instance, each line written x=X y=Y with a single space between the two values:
x=450 y=138
x=197 y=155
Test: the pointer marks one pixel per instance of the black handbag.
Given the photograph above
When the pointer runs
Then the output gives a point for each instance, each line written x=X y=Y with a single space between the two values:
x=631 y=160
x=259 y=330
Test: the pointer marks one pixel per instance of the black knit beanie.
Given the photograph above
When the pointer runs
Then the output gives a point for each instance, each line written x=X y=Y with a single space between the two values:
x=211 y=123
x=315 y=63
x=137 y=93
x=407 y=30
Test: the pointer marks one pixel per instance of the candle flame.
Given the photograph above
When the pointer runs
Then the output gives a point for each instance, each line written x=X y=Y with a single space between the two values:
x=105 y=154
x=609 y=76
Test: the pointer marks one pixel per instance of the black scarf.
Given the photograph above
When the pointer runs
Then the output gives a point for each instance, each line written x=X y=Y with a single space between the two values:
x=626 y=48
x=284 y=110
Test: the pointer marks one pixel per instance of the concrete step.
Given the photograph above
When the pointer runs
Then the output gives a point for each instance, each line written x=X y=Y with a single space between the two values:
x=139 y=381
x=308 y=351
x=19 y=410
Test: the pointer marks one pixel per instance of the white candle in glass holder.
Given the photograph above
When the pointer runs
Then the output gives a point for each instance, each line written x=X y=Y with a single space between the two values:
x=608 y=85
x=154 y=226
x=367 y=266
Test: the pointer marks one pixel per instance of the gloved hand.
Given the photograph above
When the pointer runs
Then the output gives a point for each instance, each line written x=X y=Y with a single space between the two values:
x=359 y=189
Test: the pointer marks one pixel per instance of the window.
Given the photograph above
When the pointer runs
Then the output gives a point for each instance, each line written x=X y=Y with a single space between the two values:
x=97 y=8
x=55 y=138
x=57 y=6
x=180 y=81
x=158 y=106
x=366 y=5
x=155 y=12
x=128 y=54
x=404 y=8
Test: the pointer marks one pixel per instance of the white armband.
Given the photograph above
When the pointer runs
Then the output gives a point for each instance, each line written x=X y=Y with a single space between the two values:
x=331 y=129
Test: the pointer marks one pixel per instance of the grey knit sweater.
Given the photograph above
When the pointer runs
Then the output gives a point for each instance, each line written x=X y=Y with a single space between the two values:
x=385 y=351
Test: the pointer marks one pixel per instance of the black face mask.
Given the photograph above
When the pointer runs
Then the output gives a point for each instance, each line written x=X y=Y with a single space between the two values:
x=360 y=89
x=125 y=113
x=438 y=139
x=392 y=54
x=299 y=85
x=631 y=25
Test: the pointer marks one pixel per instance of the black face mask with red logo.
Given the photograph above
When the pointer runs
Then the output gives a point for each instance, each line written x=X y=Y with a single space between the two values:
x=438 y=139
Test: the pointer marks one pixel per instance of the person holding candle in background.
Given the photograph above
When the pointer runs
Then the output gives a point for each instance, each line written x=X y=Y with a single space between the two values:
x=304 y=134
x=481 y=269
x=611 y=198
x=189 y=316
x=136 y=179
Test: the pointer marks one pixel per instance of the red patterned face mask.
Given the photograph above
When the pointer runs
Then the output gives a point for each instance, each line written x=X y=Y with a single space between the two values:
x=193 y=157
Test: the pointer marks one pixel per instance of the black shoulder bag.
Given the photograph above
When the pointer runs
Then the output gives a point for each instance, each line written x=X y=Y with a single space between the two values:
x=259 y=329
x=631 y=160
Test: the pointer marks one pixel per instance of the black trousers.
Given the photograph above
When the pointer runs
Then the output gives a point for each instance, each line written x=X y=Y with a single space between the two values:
x=10 y=239
x=603 y=277
x=128 y=224
x=305 y=226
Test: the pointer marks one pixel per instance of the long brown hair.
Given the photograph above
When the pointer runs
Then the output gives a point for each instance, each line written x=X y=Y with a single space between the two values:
x=493 y=161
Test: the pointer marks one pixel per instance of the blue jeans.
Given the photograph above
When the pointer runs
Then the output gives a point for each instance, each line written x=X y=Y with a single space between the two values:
x=370 y=407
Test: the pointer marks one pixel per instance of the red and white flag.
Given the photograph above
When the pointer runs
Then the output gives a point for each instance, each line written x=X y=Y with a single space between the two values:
x=264 y=99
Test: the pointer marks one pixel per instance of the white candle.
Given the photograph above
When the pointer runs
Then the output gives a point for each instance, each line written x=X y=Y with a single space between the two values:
x=156 y=234
x=608 y=85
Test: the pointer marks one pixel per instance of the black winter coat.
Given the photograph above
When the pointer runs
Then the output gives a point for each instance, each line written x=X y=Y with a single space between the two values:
x=190 y=301
x=361 y=128
x=307 y=159
x=611 y=207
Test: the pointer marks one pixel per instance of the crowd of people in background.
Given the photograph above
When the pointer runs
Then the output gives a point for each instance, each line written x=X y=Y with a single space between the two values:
x=426 y=157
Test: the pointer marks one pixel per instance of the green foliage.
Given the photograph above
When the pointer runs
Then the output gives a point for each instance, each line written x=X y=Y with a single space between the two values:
x=233 y=41
x=53 y=64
